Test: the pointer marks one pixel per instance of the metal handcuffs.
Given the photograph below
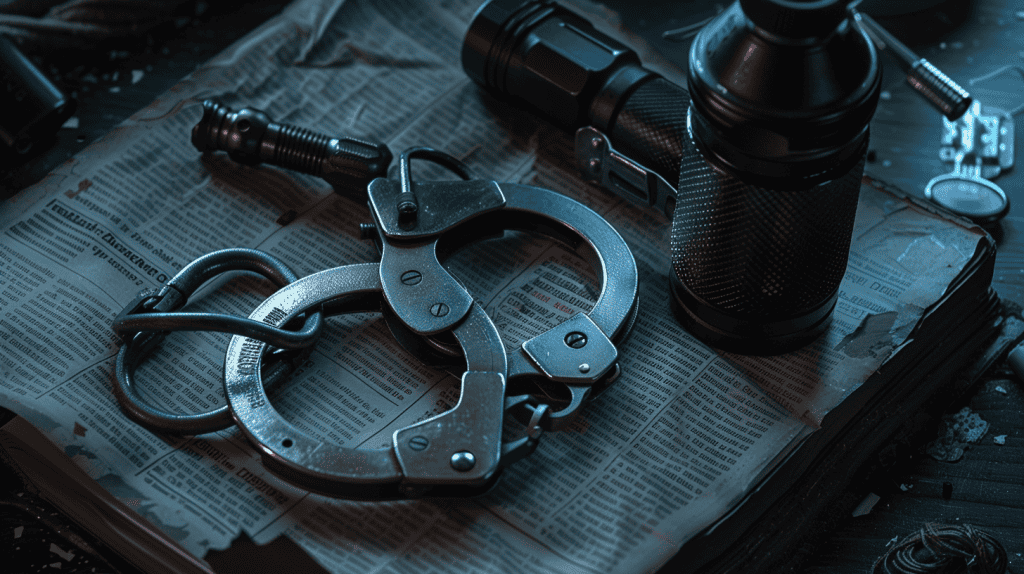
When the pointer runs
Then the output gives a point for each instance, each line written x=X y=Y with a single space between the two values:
x=416 y=226
x=459 y=452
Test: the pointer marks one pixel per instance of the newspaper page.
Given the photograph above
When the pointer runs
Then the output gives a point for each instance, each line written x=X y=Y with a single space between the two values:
x=666 y=451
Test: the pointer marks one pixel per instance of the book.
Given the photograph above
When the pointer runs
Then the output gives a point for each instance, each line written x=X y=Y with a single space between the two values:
x=704 y=456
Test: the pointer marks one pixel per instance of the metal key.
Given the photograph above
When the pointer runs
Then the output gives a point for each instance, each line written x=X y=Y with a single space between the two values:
x=965 y=192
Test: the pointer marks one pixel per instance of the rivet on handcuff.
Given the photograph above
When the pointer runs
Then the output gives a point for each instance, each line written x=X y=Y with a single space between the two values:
x=417 y=225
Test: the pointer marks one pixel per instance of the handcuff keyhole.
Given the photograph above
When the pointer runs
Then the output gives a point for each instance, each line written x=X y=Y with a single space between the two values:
x=287 y=443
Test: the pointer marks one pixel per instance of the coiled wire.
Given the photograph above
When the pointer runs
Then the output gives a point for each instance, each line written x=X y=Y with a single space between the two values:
x=938 y=547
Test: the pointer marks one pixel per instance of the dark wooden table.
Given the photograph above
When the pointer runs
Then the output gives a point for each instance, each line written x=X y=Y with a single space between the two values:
x=965 y=39
x=986 y=487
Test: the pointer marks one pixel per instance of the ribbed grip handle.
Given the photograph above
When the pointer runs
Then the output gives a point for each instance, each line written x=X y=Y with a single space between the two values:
x=651 y=127
x=300 y=149
x=343 y=162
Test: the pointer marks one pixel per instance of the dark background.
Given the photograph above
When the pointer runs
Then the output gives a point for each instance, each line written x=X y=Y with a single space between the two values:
x=964 y=38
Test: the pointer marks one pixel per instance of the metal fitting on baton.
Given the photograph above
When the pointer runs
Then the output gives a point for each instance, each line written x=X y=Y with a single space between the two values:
x=250 y=137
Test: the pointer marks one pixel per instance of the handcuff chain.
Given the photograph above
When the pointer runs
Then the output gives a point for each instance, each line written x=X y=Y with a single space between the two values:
x=518 y=449
x=152 y=314
x=158 y=310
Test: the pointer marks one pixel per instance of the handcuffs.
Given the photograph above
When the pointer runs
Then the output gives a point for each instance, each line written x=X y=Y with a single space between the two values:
x=416 y=226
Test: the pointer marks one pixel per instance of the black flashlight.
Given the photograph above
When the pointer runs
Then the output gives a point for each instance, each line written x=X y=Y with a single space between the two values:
x=32 y=108
x=759 y=162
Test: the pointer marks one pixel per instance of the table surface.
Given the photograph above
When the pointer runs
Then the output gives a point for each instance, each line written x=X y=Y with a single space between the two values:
x=966 y=39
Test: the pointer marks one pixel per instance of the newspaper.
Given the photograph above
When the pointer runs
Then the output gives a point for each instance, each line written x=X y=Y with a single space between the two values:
x=665 y=452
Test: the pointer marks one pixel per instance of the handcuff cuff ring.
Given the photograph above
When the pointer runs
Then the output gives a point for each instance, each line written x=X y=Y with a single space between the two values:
x=144 y=322
x=452 y=454
x=463 y=211
x=548 y=356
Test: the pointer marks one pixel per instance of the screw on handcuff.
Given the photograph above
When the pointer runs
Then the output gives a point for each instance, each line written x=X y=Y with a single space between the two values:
x=460 y=452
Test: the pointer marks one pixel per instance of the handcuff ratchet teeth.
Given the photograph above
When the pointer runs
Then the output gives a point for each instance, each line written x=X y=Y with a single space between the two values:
x=459 y=452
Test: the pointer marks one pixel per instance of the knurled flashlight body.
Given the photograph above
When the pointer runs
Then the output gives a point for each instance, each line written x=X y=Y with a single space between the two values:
x=761 y=157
